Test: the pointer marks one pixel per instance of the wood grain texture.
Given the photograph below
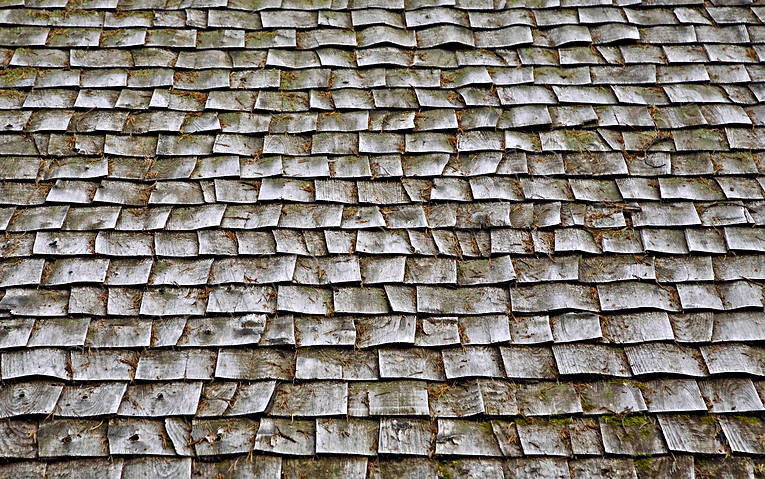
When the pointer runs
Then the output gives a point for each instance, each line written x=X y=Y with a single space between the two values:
x=18 y=439
x=34 y=397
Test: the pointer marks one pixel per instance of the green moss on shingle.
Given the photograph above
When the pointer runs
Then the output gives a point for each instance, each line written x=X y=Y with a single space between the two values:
x=14 y=76
x=630 y=420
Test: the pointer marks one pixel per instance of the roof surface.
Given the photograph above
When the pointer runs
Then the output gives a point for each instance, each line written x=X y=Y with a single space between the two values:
x=382 y=238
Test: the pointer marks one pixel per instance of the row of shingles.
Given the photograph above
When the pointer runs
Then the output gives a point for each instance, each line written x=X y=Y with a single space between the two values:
x=438 y=330
x=526 y=358
x=434 y=119
x=122 y=192
x=303 y=393
x=209 y=241
x=372 y=391
x=551 y=198
x=344 y=144
x=568 y=330
x=119 y=300
x=719 y=45
x=213 y=56
x=338 y=131
x=430 y=24
x=541 y=399
x=535 y=392
x=588 y=295
x=441 y=329
x=187 y=212
x=681 y=466
x=308 y=392
x=462 y=86
x=223 y=117
x=691 y=181
x=368 y=143
x=529 y=338
x=214 y=268
x=610 y=435
x=434 y=27
x=336 y=142
x=499 y=240
x=479 y=15
x=117 y=269
x=595 y=204
x=504 y=237
x=530 y=111
x=611 y=166
x=672 y=215
x=390 y=194
x=652 y=219
x=670 y=63
x=335 y=4
x=305 y=17
x=299 y=13
x=370 y=386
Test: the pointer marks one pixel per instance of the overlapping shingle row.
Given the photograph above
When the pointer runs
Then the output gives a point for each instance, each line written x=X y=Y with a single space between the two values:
x=382 y=238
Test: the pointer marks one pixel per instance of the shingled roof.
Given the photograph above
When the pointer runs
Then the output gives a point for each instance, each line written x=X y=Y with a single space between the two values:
x=382 y=238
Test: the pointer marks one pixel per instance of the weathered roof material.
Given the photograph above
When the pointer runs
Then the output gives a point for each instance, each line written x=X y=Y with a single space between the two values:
x=382 y=238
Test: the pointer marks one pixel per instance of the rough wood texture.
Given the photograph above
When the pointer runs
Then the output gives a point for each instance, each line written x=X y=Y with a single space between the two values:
x=139 y=436
x=72 y=437
x=96 y=400
x=382 y=238
x=160 y=399
x=18 y=439
x=34 y=397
